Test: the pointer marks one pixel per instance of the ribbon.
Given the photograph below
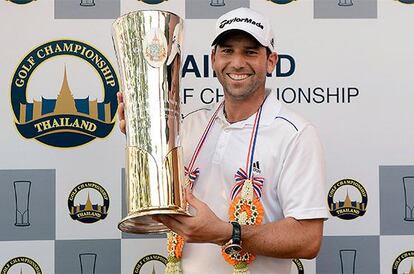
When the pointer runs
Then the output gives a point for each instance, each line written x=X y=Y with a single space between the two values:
x=191 y=175
x=240 y=177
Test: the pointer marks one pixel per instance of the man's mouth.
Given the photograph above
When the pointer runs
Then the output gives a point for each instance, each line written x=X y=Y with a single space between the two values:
x=238 y=76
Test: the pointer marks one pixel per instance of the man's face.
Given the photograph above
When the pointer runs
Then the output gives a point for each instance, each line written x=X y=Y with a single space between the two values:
x=241 y=65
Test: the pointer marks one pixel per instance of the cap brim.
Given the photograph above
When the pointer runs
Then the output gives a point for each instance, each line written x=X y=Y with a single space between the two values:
x=227 y=32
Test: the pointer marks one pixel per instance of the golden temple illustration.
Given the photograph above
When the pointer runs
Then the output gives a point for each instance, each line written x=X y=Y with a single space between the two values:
x=347 y=203
x=411 y=269
x=88 y=207
x=66 y=104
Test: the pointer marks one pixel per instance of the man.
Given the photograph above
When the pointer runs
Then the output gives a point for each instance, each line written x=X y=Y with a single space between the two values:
x=259 y=165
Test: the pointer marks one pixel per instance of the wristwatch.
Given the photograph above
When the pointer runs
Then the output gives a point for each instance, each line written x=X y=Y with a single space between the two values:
x=233 y=246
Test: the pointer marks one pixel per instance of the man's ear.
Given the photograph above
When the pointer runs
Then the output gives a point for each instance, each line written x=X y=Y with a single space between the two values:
x=213 y=56
x=272 y=61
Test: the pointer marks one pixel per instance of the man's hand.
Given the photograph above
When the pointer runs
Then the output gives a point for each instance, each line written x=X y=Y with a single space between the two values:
x=121 y=113
x=204 y=227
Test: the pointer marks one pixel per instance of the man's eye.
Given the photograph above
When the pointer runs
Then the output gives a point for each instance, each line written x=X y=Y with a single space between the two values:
x=251 y=52
x=226 y=50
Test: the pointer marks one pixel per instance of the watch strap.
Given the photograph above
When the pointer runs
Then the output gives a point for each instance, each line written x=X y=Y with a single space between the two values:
x=236 y=234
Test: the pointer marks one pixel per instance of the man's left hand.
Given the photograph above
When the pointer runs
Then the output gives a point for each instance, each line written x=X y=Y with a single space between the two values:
x=203 y=227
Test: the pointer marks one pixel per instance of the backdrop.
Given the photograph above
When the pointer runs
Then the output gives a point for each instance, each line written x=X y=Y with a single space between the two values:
x=346 y=65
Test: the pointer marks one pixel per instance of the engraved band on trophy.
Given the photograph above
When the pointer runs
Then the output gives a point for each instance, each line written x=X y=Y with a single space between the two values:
x=148 y=48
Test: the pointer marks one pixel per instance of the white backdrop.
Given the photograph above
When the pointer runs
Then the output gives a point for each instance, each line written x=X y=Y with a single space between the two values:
x=361 y=55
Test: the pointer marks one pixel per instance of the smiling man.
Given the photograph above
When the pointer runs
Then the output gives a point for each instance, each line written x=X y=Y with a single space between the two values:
x=257 y=168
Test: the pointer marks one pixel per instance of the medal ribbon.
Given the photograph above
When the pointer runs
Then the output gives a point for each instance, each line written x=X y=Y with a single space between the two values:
x=190 y=172
x=241 y=175
x=175 y=241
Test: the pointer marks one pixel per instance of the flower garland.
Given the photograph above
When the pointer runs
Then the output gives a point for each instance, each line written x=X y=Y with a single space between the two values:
x=246 y=207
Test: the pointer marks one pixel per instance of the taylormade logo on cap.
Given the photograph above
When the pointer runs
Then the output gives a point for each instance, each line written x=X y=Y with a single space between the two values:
x=238 y=19
x=249 y=21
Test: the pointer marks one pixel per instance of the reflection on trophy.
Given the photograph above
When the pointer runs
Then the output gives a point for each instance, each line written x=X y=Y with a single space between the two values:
x=22 y=195
x=348 y=257
x=345 y=3
x=87 y=263
x=217 y=3
x=87 y=3
x=408 y=183
x=148 y=48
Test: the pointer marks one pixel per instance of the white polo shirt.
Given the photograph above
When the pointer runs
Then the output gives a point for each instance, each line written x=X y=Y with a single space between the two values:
x=288 y=155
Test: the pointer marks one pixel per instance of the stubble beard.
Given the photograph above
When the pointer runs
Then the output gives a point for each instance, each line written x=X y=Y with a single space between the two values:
x=242 y=93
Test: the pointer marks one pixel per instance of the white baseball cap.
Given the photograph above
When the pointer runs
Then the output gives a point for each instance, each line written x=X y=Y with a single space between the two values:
x=249 y=21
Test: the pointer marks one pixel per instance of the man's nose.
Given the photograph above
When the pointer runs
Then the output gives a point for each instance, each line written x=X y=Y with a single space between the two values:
x=238 y=61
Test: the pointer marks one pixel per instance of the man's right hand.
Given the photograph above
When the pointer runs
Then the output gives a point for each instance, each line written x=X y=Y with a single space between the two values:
x=121 y=113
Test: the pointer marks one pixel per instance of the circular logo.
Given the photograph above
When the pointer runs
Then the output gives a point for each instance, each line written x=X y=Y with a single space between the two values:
x=404 y=263
x=88 y=203
x=406 y=1
x=153 y=2
x=347 y=199
x=21 y=2
x=67 y=101
x=297 y=267
x=282 y=2
x=22 y=263
x=157 y=265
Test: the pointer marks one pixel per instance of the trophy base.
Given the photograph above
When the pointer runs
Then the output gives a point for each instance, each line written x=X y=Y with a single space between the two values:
x=143 y=223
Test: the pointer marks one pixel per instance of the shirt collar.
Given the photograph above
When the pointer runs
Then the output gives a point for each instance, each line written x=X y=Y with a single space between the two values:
x=271 y=108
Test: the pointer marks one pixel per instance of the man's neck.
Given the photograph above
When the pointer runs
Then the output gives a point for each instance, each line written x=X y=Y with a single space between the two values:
x=236 y=110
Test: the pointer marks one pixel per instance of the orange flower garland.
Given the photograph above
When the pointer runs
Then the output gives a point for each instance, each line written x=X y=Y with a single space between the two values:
x=245 y=212
x=175 y=250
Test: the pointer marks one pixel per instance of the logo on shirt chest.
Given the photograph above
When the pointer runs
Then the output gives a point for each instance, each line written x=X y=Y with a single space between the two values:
x=256 y=168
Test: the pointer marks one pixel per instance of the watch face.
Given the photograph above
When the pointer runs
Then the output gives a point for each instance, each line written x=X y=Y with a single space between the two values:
x=232 y=249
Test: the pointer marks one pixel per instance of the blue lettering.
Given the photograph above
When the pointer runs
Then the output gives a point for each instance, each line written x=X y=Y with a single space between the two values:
x=190 y=66
x=292 y=65
x=202 y=96
x=186 y=95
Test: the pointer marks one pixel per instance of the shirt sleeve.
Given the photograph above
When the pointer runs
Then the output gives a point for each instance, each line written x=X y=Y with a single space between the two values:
x=301 y=187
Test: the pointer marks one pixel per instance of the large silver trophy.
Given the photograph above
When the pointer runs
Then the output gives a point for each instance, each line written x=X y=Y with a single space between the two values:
x=148 y=47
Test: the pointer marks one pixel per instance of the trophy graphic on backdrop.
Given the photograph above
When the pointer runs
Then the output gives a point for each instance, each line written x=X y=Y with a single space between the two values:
x=148 y=48
x=87 y=3
x=345 y=3
x=87 y=263
x=408 y=184
x=22 y=196
x=217 y=3
x=348 y=258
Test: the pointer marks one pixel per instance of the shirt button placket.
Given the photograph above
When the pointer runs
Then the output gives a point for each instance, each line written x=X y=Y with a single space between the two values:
x=221 y=145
